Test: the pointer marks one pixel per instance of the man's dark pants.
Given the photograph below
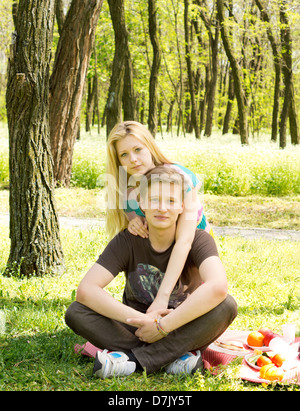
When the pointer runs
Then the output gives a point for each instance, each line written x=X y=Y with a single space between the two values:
x=116 y=336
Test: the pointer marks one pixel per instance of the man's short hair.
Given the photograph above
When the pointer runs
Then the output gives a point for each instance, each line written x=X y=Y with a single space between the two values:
x=162 y=174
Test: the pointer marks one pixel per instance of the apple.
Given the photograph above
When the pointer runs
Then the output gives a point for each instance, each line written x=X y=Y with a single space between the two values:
x=264 y=331
x=269 y=336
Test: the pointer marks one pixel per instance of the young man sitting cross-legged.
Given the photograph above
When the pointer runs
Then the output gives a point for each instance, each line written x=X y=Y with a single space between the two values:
x=199 y=310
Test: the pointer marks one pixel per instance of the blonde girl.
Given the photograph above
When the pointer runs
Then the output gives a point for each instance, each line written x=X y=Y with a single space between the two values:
x=131 y=152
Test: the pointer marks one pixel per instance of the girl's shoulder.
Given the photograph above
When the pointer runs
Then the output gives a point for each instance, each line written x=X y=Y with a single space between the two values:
x=188 y=174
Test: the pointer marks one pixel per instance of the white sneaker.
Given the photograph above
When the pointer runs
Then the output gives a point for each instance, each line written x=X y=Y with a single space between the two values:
x=188 y=363
x=112 y=363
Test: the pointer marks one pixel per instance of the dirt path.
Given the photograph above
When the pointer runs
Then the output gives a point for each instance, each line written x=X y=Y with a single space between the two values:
x=251 y=233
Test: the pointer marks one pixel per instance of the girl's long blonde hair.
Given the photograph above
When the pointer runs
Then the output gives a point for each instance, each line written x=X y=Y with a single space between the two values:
x=116 y=185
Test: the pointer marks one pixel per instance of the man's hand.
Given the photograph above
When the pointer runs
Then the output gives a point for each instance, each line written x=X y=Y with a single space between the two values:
x=146 y=327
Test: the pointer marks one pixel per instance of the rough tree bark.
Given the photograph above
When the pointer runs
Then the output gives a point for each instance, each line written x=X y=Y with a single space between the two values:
x=153 y=84
x=34 y=231
x=67 y=82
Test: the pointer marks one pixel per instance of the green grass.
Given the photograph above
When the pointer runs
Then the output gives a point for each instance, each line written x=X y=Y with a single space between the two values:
x=36 y=350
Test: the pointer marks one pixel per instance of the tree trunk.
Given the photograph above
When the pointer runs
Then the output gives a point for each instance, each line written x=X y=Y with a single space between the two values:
x=115 y=92
x=277 y=66
x=96 y=112
x=128 y=91
x=213 y=68
x=293 y=118
x=230 y=100
x=237 y=76
x=60 y=15
x=153 y=84
x=214 y=45
x=194 y=113
x=34 y=231
x=289 y=104
x=67 y=82
x=90 y=102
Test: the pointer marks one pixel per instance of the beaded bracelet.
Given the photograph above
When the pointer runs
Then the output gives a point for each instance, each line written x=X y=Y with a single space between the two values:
x=159 y=327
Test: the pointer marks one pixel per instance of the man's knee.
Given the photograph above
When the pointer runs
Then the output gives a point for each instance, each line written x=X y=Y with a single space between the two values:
x=72 y=315
x=229 y=308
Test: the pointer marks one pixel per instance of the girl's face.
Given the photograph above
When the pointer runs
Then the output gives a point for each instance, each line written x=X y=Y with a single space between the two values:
x=134 y=155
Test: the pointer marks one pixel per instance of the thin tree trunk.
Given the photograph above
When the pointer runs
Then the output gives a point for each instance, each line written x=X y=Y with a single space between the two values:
x=289 y=104
x=115 y=92
x=96 y=112
x=129 y=100
x=293 y=118
x=153 y=84
x=60 y=14
x=213 y=68
x=214 y=45
x=194 y=113
x=34 y=231
x=237 y=76
x=277 y=67
x=67 y=82
x=230 y=99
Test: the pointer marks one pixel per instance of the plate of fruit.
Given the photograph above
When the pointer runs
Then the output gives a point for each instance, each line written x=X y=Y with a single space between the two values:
x=268 y=364
x=261 y=339
x=258 y=359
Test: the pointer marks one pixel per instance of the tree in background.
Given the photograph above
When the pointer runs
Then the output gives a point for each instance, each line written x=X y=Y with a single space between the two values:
x=121 y=70
x=67 y=82
x=153 y=83
x=237 y=75
x=34 y=231
x=195 y=120
x=289 y=103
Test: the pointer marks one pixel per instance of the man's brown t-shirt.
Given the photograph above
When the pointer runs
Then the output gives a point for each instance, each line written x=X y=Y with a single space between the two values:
x=145 y=268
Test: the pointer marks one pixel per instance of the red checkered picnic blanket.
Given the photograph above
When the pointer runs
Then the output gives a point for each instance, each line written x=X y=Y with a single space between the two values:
x=212 y=358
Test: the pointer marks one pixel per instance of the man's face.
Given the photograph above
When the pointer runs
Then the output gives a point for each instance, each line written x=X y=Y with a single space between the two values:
x=163 y=204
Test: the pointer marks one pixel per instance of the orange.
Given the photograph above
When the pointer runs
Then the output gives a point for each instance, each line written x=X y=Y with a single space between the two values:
x=275 y=374
x=264 y=369
x=278 y=360
x=255 y=339
x=263 y=360
x=271 y=372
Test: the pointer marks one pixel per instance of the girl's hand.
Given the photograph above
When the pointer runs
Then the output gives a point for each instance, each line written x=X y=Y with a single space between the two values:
x=146 y=327
x=138 y=226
